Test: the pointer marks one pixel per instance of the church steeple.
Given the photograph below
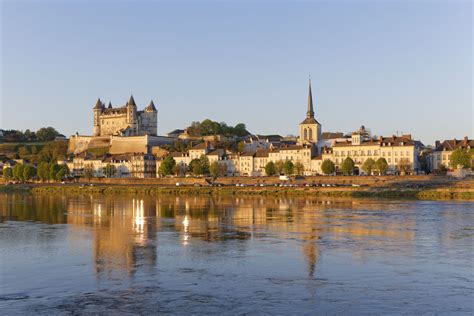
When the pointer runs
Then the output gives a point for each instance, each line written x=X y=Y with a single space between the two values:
x=310 y=112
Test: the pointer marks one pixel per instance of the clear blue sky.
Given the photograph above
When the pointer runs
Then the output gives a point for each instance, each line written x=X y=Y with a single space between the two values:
x=392 y=66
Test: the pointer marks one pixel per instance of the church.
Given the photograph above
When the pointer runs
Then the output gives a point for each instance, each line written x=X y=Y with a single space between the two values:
x=310 y=129
x=125 y=120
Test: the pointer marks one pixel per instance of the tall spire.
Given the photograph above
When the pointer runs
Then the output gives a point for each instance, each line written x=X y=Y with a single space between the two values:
x=131 y=101
x=310 y=112
x=98 y=104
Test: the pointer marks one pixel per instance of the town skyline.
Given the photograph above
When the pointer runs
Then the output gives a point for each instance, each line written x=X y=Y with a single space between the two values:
x=366 y=68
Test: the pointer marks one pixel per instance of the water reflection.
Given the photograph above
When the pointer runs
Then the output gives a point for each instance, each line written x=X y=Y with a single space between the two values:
x=189 y=254
x=124 y=229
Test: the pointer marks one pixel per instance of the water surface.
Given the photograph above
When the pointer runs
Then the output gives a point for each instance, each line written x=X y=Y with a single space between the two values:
x=235 y=255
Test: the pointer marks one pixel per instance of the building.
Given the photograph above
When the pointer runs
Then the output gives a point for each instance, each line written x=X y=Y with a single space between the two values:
x=442 y=153
x=309 y=129
x=125 y=120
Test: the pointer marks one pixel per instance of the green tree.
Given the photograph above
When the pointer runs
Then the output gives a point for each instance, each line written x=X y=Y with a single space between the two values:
x=347 y=166
x=29 y=172
x=110 y=170
x=279 y=166
x=214 y=169
x=63 y=172
x=53 y=170
x=299 y=168
x=369 y=166
x=46 y=134
x=462 y=157
x=288 y=167
x=167 y=167
x=23 y=152
x=241 y=146
x=43 y=171
x=18 y=172
x=7 y=173
x=328 y=167
x=270 y=168
x=195 y=167
x=205 y=164
x=381 y=165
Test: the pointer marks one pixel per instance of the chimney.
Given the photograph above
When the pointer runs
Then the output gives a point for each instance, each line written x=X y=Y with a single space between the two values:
x=437 y=143
x=380 y=138
x=465 y=140
x=455 y=142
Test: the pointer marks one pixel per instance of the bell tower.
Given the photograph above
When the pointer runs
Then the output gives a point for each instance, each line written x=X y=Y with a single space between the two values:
x=310 y=129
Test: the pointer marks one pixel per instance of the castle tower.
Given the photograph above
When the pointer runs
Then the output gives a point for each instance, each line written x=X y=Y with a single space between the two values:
x=310 y=129
x=132 y=114
x=152 y=119
x=97 y=112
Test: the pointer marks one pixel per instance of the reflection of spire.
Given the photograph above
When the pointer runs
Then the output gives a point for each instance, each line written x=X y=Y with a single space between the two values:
x=310 y=250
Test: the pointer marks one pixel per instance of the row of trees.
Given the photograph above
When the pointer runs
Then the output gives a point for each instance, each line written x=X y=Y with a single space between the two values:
x=44 y=134
x=284 y=167
x=198 y=167
x=369 y=166
x=209 y=127
x=44 y=172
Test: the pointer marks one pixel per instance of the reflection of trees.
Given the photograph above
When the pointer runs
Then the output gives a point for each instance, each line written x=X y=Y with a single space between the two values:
x=124 y=228
x=27 y=207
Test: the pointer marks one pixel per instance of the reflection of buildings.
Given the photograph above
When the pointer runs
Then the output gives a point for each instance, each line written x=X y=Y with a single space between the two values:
x=125 y=228
x=122 y=231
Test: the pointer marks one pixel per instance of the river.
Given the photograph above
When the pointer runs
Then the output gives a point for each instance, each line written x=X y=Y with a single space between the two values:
x=234 y=255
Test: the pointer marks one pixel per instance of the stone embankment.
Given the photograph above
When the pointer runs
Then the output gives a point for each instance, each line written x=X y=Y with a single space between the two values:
x=419 y=187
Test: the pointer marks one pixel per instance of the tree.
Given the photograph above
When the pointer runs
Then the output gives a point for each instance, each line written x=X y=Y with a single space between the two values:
x=46 y=134
x=18 y=172
x=43 y=171
x=368 y=166
x=404 y=166
x=279 y=166
x=214 y=169
x=53 y=170
x=23 y=152
x=299 y=168
x=110 y=170
x=195 y=167
x=348 y=166
x=288 y=167
x=270 y=168
x=180 y=169
x=461 y=157
x=167 y=167
x=28 y=172
x=7 y=173
x=205 y=164
x=328 y=167
x=241 y=146
x=88 y=172
x=63 y=172
x=381 y=165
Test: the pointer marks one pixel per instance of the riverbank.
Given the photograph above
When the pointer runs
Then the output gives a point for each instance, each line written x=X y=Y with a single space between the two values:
x=458 y=191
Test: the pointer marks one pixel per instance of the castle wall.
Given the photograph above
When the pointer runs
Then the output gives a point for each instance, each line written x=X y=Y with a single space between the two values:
x=111 y=124
x=78 y=144
x=148 y=123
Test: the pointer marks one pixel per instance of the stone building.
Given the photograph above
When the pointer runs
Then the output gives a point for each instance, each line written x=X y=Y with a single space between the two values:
x=125 y=120
x=441 y=156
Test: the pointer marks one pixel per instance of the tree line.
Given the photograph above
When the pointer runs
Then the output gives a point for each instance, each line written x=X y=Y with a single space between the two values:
x=43 y=134
x=43 y=172
x=209 y=127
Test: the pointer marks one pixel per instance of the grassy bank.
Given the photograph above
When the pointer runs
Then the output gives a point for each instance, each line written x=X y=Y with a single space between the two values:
x=397 y=193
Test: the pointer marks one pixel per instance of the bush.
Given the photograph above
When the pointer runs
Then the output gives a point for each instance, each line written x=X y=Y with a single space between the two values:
x=348 y=166
x=328 y=167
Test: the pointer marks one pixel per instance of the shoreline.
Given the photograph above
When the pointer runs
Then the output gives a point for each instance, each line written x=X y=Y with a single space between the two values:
x=445 y=193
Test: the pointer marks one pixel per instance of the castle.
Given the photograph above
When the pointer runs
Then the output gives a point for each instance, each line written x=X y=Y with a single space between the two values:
x=125 y=120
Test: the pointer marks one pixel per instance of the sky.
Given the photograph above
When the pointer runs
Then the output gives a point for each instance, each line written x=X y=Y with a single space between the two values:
x=394 y=67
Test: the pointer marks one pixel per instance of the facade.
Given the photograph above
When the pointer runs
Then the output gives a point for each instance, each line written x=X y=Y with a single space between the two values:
x=125 y=120
x=443 y=150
